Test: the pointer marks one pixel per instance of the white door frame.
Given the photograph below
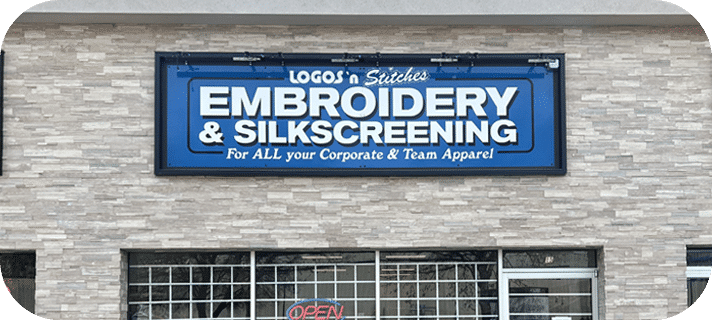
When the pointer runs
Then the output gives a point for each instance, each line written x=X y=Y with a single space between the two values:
x=505 y=274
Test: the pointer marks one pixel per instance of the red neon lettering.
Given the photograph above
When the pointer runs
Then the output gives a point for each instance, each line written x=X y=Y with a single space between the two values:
x=336 y=315
x=309 y=313
x=301 y=314
x=316 y=312
x=321 y=310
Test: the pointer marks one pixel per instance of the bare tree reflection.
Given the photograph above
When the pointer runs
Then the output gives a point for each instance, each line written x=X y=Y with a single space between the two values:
x=206 y=273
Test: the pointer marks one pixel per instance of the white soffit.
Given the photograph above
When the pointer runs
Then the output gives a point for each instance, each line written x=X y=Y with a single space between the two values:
x=365 y=12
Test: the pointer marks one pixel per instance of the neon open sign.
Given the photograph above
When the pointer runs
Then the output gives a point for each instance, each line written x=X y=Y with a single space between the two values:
x=314 y=114
x=316 y=309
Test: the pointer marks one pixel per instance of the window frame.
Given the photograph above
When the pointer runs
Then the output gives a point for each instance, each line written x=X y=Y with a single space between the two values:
x=457 y=281
x=503 y=275
x=190 y=283
x=696 y=273
x=549 y=273
x=507 y=273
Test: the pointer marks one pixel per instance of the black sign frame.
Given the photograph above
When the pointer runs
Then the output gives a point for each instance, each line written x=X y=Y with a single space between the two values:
x=555 y=61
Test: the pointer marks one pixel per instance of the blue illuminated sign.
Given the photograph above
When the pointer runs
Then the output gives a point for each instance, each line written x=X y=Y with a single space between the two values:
x=276 y=114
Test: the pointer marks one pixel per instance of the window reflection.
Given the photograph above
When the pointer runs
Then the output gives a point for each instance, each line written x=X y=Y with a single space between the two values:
x=345 y=277
x=699 y=264
x=535 y=297
x=188 y=285
x=699 y=257
x=414 y=284
x=18 y=272
x=438 y=285
x=695 y=287
x=549 y=259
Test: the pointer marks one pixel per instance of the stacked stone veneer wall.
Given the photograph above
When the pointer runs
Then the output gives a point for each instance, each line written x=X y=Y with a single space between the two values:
x=78 y=184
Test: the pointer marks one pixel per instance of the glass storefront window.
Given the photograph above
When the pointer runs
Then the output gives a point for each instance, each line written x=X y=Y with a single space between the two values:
x=189 y=286
x=18 y=272
x=439 y=285
x=347 y=278
x=699 y=257
x=699 y=267
x=550 y=259
x=369 y=285
x=695 y=287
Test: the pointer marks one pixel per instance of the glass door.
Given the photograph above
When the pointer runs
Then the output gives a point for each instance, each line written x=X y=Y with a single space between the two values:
x=699 y=267
x=565 y=295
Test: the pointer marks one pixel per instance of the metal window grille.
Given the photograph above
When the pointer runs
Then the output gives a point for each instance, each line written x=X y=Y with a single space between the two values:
x=189 y=292
x=464 y=285
x=281 y=285
x=427 y=290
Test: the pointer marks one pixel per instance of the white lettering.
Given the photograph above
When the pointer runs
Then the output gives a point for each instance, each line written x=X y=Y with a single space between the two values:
x=232 y=153
x=502 y=102
x=297 y=131
x=317 y=76
x=339 y=132
x=322 y=134
x=381 y=77
x=207 y=101
x=464 y=101
x=395 y=132
x=399 y=95
x=433 y=102
x=245 y=132
x=289 y=96
x=261 y=101
x=347 y=100
x=510 y=133
x=325 y=98
x=328 y=77
x=371 y=130
x=303 y=77
x=418 y=132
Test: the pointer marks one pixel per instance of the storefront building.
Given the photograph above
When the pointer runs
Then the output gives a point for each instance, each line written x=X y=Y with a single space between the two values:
x=122 y=126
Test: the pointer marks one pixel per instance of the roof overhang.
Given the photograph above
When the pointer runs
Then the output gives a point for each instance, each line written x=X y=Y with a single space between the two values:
x=364 y=12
